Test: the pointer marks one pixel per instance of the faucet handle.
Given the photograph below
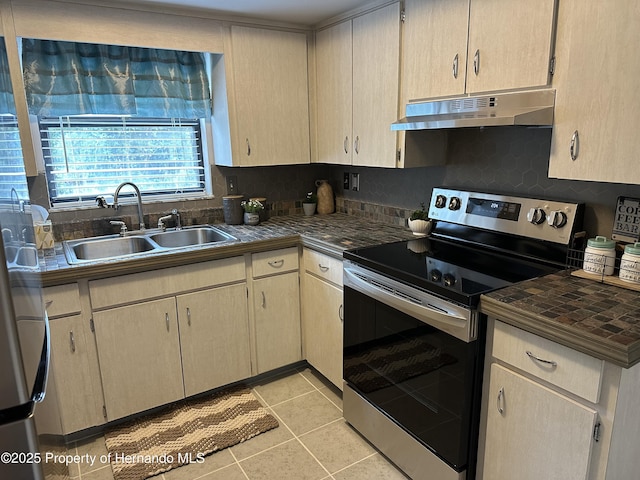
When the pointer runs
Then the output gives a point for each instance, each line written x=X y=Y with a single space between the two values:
x=105 y=201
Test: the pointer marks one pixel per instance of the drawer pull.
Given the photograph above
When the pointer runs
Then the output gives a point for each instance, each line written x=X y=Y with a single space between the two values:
x=551 y=363
x=166 y=319
x=276 y=263
x=72 y=341
x=264 y=300
x=189 y=316
x=500 y=401
x=341 y=312
x=323 y=268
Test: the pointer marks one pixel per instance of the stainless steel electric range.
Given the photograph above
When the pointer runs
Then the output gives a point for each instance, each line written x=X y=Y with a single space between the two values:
x=413 y=336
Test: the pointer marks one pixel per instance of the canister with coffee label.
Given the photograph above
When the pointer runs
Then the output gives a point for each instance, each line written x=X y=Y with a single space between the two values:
x=630 y=264
x=600 y=256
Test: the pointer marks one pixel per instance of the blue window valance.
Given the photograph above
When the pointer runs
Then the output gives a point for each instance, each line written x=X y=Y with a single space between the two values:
x=68 y=78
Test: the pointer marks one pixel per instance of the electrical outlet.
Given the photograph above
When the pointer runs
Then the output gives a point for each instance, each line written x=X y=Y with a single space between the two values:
x=355 y=182
x=232 y=185
x=345 y=181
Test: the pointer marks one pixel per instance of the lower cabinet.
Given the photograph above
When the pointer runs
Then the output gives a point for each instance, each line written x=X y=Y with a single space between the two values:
x=214 y=337
x=139 y=351
x=534 y=432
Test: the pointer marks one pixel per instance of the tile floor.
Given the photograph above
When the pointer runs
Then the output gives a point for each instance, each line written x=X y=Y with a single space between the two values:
x=313 y=441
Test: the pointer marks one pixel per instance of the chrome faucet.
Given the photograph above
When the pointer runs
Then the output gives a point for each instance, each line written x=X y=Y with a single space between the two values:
x=175 y=213
x=137 y=190
x=18 y=202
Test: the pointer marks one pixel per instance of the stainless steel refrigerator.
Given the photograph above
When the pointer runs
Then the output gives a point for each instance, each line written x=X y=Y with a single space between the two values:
x=24 y=341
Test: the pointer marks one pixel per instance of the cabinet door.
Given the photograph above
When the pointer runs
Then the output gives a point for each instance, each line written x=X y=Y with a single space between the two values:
x=534 y=432
x=322 y=323
x=334 y=94
x=74 y=375
x=513 y=40
x=271 y=96
x=376 y=65
x=596 y=83
x=139 y=352
x=276 y=303
x=434 y=48
x=214 y=337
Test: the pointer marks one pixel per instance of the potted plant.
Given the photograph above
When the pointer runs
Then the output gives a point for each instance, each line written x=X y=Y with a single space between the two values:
x=252 y=209
x=309 y=204
x=419 y=222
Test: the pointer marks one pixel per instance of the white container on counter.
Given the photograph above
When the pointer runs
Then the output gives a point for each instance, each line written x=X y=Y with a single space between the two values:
x=630 y=264
x=600 y=256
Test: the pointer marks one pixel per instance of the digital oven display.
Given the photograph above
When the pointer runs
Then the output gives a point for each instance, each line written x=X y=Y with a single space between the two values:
x=493 y=209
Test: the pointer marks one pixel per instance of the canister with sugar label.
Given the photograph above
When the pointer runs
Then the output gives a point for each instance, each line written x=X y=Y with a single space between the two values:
x=600 y=256
x=630 y=264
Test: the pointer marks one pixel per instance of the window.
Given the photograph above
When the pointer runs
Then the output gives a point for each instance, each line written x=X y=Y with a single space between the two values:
x=11 y=164
x=90 y=156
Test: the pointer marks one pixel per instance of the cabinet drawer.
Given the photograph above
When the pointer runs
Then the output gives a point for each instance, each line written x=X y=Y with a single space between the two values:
x=573 y=371
x=324 y=266
x=65 y=300
x=274 y=261
x=167 y=281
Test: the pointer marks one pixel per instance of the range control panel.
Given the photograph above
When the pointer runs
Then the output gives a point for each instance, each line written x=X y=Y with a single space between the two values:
x=541 y=219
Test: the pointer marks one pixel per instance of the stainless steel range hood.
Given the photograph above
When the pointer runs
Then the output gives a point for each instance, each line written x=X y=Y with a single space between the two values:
x=532 y=108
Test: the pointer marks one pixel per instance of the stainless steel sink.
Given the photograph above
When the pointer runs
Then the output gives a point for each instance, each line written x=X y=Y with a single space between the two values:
x=190 y=236
x=103 y=248
x=21 y=256
x=145 y=242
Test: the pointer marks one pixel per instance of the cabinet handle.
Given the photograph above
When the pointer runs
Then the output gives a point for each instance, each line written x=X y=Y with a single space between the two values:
x=72 y=342
x=574 y=148
x=323 y=268
x=346 y=144
x=264 y=300
x=500 y=401
x=166 y=319
x=476 y=62
x=188 y=316
x=276 y=263
x=341 y=312
x=455 y=66
x=248 y=148
x=541 y=360
x=356 y=145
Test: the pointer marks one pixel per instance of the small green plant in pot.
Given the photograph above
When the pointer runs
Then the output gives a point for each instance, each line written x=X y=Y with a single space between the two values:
x=419 y=222
x=309 y=204
x=252 y=209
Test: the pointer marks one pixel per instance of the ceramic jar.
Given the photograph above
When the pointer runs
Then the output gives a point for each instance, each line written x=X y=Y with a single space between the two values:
x=600 y=256
x=232 y=209
x=630 y=264
x=326 y=203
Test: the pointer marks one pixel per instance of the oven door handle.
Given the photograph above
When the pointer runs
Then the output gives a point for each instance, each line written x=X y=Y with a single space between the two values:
x=457 y=321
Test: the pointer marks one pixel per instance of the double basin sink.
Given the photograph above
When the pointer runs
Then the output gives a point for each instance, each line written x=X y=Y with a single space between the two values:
x=143 y=242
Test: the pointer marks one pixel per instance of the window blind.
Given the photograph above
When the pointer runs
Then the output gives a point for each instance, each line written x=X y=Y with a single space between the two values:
x=90 y=156
x=12 y=173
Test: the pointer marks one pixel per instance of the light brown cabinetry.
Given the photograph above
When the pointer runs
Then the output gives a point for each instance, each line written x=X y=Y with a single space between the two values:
x=276 y=308
x=597 y=102
x=357 y=83
x=261 y=93
x=452 y=47
x=322 y=317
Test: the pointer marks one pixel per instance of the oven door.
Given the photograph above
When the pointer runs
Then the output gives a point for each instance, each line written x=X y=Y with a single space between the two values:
x=423 y=379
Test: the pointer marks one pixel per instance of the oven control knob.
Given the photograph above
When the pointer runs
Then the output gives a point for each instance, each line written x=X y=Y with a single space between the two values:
x=557 y=219
x=536 y=216
x=441 y=201
x=454 y=204
x=449 y=280
x=435 y=275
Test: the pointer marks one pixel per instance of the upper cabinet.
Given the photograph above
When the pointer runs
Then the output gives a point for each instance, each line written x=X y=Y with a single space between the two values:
x=597 y=103
x=453 y=47
x=357 y=64
x=261 y=98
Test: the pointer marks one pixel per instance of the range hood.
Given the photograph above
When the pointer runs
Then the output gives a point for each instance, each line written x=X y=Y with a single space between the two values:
x=531 y=107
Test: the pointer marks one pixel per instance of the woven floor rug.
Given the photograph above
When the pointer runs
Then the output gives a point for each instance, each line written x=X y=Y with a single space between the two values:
x=185 y=433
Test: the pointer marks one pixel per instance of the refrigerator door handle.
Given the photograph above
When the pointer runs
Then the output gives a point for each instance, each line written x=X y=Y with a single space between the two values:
x=42 y=375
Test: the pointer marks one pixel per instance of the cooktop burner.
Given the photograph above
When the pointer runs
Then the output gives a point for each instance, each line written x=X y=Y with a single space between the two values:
x=460 y=273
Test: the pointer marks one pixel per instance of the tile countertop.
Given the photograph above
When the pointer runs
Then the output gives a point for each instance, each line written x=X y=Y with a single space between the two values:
x=331 y=234
x=589 y=316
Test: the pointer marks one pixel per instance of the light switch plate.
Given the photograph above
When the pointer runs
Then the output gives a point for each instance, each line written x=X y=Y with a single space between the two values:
x=355 y=182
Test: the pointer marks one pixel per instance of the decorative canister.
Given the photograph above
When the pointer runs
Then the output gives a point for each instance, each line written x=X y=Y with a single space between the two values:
x=232 y=209
x=251 y=218
x=630 y=264
x=600 y=256
x=326 y=202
